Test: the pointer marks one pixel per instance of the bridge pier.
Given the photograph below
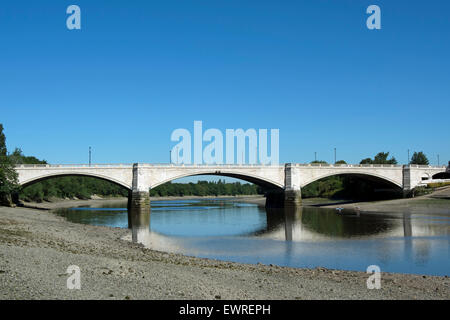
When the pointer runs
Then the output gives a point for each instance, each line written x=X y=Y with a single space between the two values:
x=406 y=173
x=139 y=207
x=292 y=191
x=291 y=195
x=292 y=198
x=283 y=198
x=139 y=215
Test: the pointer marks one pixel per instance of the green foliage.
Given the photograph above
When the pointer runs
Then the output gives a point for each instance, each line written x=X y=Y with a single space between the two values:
x=341 y=162
x=205 y=188
x=8 y=176
x=438 y=184
x=419 y=158
x=380 y=158
x=319 y=161
x=17 y=157
x=3 y=150
x=71 y=187
x=366 y=161
x=323 y=188
x=420 y=191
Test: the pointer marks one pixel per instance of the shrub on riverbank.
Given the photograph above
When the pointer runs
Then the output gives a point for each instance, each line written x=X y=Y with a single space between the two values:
x=438 y=184
x=8 y=176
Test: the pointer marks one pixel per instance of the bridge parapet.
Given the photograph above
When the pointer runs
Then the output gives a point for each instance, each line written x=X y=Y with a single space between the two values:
x=201 y=166
x=420 y=166
x=171 y=165
x=328 y=165
x=22 y=166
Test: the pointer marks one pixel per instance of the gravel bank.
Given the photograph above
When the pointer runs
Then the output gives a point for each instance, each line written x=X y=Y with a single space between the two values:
x=36 y=247
x=63 y=203
x=436 y=203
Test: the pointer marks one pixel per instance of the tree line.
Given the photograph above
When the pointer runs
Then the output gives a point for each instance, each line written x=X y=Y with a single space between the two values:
x=205 y=188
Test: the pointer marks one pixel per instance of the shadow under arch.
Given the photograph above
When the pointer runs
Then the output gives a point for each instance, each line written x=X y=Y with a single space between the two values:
x=363 y=176
x=32 y=181
x=354 y=186
x=442 y=175
x=261 y=182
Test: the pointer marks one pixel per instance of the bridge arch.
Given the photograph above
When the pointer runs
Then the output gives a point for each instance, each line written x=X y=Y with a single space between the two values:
x=368 y=176
x=442 y=175
x=47 y=176
x=260 y=181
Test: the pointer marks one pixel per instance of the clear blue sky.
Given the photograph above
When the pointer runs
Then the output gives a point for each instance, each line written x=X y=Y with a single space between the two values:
x=140 y=69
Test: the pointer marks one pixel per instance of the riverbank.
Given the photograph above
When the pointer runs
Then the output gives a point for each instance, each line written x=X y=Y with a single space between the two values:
x=36 y=247
x=259 y=200
x=437 y=202
x=70 y=203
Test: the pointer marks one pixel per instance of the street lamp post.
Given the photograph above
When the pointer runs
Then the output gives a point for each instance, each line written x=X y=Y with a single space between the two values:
x=89 y=156
x=409 y=161
x=334 y=155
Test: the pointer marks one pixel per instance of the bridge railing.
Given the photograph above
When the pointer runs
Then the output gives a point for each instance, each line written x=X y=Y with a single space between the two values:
x=245 y=165
x=72 y=165
x=425 y=166
x=365 y=165
x=167 y=165
x=348 y=165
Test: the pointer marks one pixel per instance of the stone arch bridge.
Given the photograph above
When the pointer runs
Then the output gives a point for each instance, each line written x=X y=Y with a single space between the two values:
x=142 y=177
x=288 y=179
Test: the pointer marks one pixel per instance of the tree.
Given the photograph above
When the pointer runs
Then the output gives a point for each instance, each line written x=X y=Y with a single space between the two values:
x=366 y=161
x=380 y=158
x=319 y=162
x=341 y=162
x=3 y=150
x=17 y=157
x=419 y=158
x=8 y=175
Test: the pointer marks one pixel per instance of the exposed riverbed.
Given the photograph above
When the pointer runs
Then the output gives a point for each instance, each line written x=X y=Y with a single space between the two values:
x=308 y=237
x=36 y=247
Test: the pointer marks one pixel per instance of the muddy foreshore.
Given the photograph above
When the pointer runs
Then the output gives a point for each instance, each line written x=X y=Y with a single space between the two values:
x=438 y=203
x=37 y=247
x=69 y=203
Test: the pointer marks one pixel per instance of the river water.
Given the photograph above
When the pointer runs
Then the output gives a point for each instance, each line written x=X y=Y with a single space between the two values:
x=304 y=237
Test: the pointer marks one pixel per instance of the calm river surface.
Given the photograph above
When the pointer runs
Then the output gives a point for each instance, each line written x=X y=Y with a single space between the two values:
x=305 y=237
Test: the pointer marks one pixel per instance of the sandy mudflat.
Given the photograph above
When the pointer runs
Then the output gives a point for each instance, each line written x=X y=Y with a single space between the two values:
x=36 y=247
x=60 y=203
x=437 y=203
